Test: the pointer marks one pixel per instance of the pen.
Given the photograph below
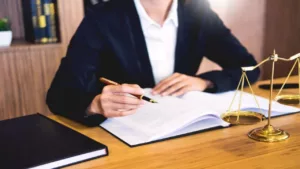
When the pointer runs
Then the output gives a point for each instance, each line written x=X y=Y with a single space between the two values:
x=142 y=97
x=279 y=85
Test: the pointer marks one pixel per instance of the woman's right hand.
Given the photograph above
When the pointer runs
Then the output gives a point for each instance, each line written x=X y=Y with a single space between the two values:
x=116 y=101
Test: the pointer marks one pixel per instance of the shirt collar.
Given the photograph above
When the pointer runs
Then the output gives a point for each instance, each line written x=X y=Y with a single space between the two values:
x=147 y=21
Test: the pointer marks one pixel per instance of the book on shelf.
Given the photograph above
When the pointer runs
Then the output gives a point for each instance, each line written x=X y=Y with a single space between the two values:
x=40 y=21
x=53 y=21
x=35 y=141
x=173 y=117
x=49 y=9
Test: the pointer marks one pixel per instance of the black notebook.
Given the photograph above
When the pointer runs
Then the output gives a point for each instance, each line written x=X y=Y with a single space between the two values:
x=36 y=141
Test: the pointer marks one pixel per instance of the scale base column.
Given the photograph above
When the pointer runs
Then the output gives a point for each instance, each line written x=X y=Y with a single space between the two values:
x=268 y=134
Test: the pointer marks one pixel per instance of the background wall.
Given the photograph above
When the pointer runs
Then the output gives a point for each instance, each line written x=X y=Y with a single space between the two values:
x=262 y=26
x=246 y=20
x=282 y=32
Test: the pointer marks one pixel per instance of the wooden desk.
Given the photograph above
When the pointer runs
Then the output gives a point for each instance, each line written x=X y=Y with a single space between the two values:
x=220 y=149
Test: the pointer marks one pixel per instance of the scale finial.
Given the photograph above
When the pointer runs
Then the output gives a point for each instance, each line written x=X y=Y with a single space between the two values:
x=274 y=52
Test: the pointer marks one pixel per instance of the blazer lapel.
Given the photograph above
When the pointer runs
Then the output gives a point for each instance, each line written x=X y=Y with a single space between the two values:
x=137 y=39
x=181 y=45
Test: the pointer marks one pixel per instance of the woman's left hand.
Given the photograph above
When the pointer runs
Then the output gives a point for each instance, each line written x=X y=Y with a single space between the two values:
x=179 y=84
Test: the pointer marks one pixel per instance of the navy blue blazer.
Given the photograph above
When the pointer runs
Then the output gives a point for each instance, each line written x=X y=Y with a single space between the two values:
x=110 y=43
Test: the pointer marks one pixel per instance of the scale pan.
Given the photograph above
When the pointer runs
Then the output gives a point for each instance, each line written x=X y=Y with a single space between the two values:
x=288 y=99
x=242 y=117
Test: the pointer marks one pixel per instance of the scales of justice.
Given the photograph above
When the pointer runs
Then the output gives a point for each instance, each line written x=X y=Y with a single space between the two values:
x=267 y=133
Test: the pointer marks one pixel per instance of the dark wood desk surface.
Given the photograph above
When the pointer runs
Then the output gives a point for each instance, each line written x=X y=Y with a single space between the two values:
x=220 y=149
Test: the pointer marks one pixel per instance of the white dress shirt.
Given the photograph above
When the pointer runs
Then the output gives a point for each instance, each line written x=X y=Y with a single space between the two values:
x=160 y=40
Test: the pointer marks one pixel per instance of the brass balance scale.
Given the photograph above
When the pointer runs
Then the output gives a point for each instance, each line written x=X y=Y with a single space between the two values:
x=267 y=133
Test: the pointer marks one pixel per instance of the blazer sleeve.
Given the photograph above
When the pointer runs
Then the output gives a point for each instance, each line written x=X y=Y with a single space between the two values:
x=76 y=82
x=224 y=49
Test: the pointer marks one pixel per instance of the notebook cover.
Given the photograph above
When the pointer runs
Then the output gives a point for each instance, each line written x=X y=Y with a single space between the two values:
x=35 y=140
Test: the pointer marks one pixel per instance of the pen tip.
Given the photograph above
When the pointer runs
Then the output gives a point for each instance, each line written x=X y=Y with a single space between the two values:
x=153 y=101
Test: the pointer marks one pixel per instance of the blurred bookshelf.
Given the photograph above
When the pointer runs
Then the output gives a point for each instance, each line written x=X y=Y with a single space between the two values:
x=27 y=68
x=19 y=16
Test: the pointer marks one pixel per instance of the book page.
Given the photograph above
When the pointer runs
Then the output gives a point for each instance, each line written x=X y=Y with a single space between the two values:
x=166 y=116
x=221 y=102
x=205 y=124
x=127 y=134
x=155 y=120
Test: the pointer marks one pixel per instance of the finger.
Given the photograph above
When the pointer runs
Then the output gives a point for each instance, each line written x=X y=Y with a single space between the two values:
x=118 y=113
x=127 y=113
x=181 y=91
x=176 y=87
x=134 y=85
x=123 y=107
x=169 y=84
x=121 y=94
x=165 y=80
x=124 y=88
x=124 y=99
x=165 y=85
x=126 y=94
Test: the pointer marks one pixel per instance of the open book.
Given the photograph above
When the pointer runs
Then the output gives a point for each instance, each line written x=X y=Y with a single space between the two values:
x=175 y=116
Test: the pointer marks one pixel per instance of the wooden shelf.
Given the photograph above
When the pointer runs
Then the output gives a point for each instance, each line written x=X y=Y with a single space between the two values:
x=20 y=44
x=27 y=69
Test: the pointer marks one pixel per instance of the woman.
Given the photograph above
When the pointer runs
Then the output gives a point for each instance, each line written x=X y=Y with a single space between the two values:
x=143 y=43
